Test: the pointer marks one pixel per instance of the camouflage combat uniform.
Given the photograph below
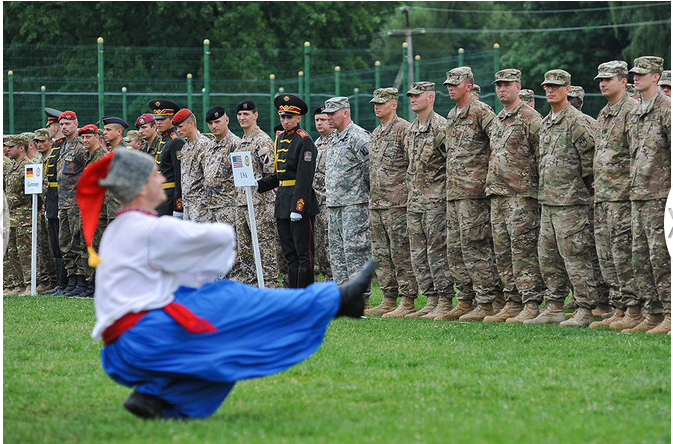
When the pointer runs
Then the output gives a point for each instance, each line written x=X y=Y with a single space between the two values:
x=426 y=205
x=16 y=264
x=566 y=174
x=469 y=240
x=612 y=211
x=260 y=145
x=148 y=148
x=322 y=263
x=511 y=183
x=388 y=209
x=347 y=186
x=191 y=173
x=649 y=133
x=218 y=180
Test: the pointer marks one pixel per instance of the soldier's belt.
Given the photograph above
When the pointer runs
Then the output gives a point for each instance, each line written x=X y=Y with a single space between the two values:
x=53 y=184
x=168 y=185
x=287 y=183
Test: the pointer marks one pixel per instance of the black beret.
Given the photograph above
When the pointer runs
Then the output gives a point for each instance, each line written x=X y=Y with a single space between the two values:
x=111 y=119
x=215 y=113
x=278 y=127
x=246 y=105
x=319 y=110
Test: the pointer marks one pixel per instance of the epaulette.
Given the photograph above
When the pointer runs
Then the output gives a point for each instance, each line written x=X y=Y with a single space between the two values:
x=303 y=134
x=174 y=136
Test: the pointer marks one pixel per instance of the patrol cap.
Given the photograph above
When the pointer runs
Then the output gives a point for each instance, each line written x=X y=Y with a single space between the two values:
x=610 y=69
x=133 y=135
x=52 y=115
x=289 y=104
x=665 y=78
x=10 y=140
x=88 y=129
x=181 y=116
x=476 y=90
x=163 y=108
x=215 y=113
x=246 y=105
x=382 y=95
x=647 y=64
x=18 y=139
x=318 y=110
x=109 y=120
x=507 y=75
x=41 y=134
x=556 y=77
x=334 y=104
x=527 y=95
x=27 y=137
x=576 y=91
x=143 y=119
x=5 y=140
x=67 y=115
x=457 y=75
x=420 y=88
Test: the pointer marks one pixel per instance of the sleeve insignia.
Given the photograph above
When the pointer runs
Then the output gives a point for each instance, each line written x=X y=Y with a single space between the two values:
x=300 y=205
x=178 y=203
x=178 y=154
x=308 y=156
x=302 y=133
x=174 y=136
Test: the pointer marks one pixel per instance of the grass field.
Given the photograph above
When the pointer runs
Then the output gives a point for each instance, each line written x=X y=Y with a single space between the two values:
x=373 y=381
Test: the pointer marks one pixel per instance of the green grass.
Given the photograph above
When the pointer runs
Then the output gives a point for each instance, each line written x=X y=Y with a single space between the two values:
x=373 y=381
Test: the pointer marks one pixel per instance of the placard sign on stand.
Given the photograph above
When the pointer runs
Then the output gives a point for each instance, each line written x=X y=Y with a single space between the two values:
x=33 y=185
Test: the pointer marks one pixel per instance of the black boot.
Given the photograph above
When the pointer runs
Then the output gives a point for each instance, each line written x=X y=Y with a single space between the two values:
x=72 y=283
x=352 y=292
x=304 y=277
x=145 y=406
x=88 y=291
x=79 y=288
x=292 y=271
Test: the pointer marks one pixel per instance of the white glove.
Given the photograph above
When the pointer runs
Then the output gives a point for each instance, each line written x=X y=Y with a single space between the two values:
x=177 y=214
x=294 y=217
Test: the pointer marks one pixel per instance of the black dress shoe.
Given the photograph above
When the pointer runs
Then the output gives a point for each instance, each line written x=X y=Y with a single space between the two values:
x=145 y=406
x=352 y=292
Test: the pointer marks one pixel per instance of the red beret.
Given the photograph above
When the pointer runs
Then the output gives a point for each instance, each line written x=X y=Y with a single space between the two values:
x=69 y=115
x=181 y=115
x=88 y=129
x=143 y=119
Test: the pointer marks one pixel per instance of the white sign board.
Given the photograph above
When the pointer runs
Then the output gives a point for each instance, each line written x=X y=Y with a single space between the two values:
x=33 y=179
x=241 y=164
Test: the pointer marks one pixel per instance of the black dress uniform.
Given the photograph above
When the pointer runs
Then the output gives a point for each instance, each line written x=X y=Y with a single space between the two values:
x=294 y=169
x=168 y=157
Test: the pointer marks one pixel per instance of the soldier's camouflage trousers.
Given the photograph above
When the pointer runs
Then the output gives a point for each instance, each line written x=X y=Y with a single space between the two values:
x=390 y=248
x=651 y=261
x=349 y=241
x=322 y=262
x=71 y=240
x=16 y=262
x=427 y=244
x=266 y=235
x=515 y=222
x=46 y=265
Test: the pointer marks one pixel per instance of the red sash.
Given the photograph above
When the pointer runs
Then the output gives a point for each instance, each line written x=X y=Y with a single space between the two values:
x=182 y=315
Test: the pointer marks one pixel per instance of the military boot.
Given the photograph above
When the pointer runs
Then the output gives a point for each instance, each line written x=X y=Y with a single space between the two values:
x=616 y=315
x=649 y=322
x=571 y=305
x=498 y=304
x=444 y=306
x=582 y=318
x=510 y=310
x=406 y=307
x=79 y=288
x=432 y=303
x=387 y=305
x=478 y=313
x=632 y=317
x=601 y=310
x=664 y=327
x=352 y=302
x=462 y=308
x=72 y=283
x=304 y=277
x=552 y=313
x=530 y=311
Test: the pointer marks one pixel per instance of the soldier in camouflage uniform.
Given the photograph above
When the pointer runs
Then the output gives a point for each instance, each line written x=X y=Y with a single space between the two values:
x=260 y=145
x=527 y=96
x=468 y=209
x=46 y=266
x=665 y=83
x=148 y=131
x=511 y=183
x=347 y=186
x=322 y=263
x=576 y=99
x=612 y=208
x=18 y=256
x=113 y=133
x=565 y=168
x=388 y=203
x=649 y=132
x=426 y=206
x=134 y=139
x=191 y=166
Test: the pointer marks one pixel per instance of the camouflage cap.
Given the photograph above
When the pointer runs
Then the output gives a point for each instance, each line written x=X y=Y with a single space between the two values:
x=19 y=139
x=610 y=69
x=9 y=140
x=507 y=75
x=5 y=140
x=457 y=75
x=647 y=64
x=476 y=90
x=382 y=95
x=133 y=135
x=335 y=104
x=665 y=78
x=556 y=77
x=527 y=95
x=41 y=134
x=576 y=91
x=28 y=137
x=420 y=88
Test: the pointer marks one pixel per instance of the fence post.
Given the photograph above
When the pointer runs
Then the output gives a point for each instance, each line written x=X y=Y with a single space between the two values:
x=101 y=81
x=206 y=75
x=337 y=80
x=417 y=68
x=124 y=104
x=43 y=101
x=189 y=92
x=10 y=86
x=356 y=103
x=307 y=81
x=204 y=103
x=496 y=68
x=377 y=74
x=461 y=56
x=272 y=94
x=405 y=80
x=300 y=83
